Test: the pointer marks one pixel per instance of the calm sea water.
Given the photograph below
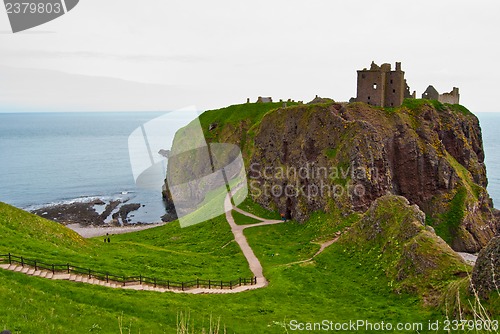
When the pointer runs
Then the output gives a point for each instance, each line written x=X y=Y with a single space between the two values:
x=48 y=158
x=490 y=125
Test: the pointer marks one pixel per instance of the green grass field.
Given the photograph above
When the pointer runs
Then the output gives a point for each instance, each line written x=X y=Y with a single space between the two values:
x=204 y=251
x=336 y=286
x=249 y=206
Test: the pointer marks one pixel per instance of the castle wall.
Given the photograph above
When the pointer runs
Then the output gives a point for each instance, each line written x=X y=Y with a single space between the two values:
x=371 y=87
x=452 y=97
x=394 y=88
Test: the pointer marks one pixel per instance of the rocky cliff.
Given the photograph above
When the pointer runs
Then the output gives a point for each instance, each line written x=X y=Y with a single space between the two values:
x=331 y=156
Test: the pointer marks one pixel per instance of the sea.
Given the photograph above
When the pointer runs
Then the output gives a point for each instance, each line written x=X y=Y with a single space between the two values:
x=60 y=158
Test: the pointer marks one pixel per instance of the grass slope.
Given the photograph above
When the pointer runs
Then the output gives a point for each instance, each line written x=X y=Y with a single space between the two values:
x=337 y=286
x=241 y=219
x=169 y=252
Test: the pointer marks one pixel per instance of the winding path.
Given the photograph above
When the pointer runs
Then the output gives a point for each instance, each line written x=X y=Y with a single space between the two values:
x=322 y=247
x=239 y=237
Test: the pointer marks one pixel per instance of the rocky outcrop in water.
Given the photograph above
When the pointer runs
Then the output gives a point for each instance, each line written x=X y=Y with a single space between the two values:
x=85 y=214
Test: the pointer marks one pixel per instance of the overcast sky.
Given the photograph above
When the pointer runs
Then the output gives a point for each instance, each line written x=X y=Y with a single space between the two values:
x=163 y=55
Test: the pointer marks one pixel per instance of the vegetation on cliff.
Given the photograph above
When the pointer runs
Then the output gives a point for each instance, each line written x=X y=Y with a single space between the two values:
x=430 y=153
x=412 y=256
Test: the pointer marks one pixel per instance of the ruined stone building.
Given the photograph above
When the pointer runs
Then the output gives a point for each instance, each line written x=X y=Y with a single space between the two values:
x=261 y=99
x=452 y=97
x=380 y=86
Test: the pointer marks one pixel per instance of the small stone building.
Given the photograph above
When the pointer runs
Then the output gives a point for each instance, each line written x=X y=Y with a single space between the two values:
x=430 y=93
x=261 y=99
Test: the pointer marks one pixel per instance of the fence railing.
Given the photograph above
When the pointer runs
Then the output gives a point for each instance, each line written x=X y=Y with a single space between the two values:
x=124 y=280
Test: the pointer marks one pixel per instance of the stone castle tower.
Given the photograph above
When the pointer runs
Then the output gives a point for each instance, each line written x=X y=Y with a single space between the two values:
x=382 y=87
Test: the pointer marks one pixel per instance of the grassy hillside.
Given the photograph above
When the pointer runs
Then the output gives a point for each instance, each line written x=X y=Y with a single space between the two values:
x=412 y=256
x=335 y=286
x=201 y=251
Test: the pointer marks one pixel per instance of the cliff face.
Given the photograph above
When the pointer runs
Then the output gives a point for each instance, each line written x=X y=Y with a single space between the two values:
x=343 y=157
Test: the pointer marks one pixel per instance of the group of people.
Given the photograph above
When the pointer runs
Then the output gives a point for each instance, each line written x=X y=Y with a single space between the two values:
x=107 y=238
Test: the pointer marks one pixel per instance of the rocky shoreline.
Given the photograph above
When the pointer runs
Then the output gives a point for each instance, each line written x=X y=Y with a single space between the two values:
x=115 y=213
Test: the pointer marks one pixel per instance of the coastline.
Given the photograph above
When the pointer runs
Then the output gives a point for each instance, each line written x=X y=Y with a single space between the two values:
x=94 y=231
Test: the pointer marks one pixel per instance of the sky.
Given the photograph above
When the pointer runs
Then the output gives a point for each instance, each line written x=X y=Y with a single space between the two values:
x=162 y=55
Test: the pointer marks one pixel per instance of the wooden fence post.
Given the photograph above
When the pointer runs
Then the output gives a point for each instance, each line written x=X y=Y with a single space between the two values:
x=182 y=286
x=22 y=262
x=67 y=265
x=90 y=275
x=240 y=281
x=154 y=280
x=209 y=285
x=10 y=259
x=53 y=270
x=107 y=277
x=36 y=268
x=140 y=279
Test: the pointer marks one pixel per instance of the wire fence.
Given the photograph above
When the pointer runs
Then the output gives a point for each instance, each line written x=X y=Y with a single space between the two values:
x=124 y=280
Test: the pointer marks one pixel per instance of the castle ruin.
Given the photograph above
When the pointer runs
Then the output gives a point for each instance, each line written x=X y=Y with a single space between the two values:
x=383 y=87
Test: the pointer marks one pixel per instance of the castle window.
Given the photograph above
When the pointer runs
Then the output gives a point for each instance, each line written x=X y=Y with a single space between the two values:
x=368 y=97
x=394 y=91
x=374 y=86
x=391 y=81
